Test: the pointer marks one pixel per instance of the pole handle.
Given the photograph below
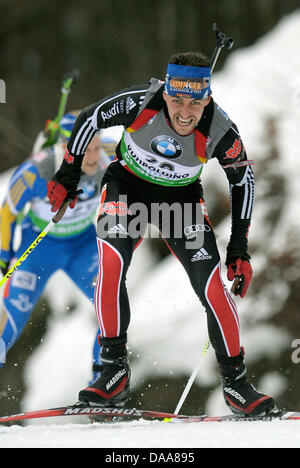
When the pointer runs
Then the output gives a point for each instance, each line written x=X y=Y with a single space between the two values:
x=73 y=76
x=52 y=128
x=235 y=284
x=62 y=210
x=221 y=41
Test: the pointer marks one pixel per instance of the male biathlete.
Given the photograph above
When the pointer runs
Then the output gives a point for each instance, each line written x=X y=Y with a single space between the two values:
x=70 y=246
x=172 y=129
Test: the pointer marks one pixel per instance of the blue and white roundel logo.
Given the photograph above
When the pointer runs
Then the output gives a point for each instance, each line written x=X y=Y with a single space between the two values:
x=166 y=146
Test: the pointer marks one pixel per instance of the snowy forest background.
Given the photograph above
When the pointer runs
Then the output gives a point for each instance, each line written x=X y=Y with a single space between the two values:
x=258 y=85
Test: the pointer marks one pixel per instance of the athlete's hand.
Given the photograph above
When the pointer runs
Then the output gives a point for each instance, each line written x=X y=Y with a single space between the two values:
x=63 y=186
x=58 y=193
x=240 y=270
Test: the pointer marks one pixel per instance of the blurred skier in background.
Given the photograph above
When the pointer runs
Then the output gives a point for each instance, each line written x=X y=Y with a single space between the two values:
x=70 y=246
x=172 y=128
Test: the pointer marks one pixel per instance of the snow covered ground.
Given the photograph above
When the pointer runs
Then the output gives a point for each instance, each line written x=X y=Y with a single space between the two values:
x=259 y=82
x=153 y=434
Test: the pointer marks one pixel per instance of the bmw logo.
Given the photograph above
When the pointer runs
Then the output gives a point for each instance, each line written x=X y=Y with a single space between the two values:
x=166 y=146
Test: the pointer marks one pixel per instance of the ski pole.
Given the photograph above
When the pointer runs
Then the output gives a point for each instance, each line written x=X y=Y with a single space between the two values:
x=40 y=237
x=221 y=41
x=52 y=126
x=190 y=381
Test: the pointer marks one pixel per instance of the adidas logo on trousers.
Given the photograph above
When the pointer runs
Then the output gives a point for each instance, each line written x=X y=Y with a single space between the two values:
x=202 y=254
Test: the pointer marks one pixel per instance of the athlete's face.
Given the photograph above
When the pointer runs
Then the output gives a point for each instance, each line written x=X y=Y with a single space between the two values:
x=90 y=163
x=184 y=112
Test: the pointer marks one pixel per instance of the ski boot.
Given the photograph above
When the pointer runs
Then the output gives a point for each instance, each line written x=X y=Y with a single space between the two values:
x=112 y=387
x=239 y=394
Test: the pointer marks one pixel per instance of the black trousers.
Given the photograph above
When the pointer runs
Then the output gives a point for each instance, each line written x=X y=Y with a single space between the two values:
x=128 y=204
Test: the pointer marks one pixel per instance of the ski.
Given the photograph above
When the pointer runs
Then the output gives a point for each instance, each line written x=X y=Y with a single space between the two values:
x=133 y=413
x=86 y=410
x=281 y=415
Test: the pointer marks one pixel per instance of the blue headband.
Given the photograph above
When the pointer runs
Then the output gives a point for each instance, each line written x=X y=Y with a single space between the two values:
x=188 y=81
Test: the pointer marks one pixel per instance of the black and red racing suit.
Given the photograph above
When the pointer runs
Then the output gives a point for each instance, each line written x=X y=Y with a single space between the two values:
x=116 y=245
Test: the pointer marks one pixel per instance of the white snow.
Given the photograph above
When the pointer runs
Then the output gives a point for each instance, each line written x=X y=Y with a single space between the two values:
x=168 y=327
x=152 y=434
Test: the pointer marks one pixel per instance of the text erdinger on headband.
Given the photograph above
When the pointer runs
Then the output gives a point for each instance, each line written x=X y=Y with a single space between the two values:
x=188 y=81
